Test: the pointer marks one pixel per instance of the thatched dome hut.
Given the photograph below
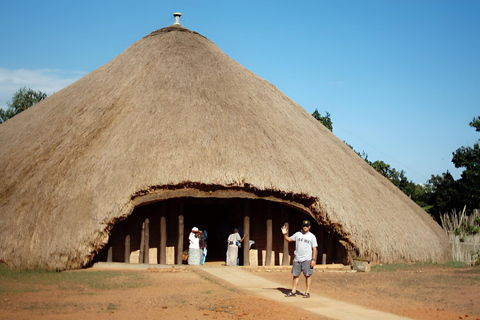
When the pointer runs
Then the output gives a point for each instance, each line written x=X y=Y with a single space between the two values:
x=173 y=118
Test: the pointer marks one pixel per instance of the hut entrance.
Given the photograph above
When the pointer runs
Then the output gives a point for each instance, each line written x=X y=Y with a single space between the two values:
x=162 y=229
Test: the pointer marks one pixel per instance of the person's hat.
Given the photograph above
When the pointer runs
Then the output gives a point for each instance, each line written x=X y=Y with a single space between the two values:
x=194 y=229
x=306 y=223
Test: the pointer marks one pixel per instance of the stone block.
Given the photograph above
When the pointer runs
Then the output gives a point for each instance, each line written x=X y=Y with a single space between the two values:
x=361 y=265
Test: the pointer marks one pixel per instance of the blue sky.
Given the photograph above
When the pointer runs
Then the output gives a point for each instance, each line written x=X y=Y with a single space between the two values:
x=401 y=79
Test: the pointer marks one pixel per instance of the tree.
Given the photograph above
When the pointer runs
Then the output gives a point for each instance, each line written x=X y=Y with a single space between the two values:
x=475 y=124
x=469 y=159
x=22 y=100
x=326 y=121
x=444 y=195
x=448 y=194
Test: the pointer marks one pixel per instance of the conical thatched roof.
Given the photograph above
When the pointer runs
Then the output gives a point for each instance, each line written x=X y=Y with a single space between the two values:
x=173 y=113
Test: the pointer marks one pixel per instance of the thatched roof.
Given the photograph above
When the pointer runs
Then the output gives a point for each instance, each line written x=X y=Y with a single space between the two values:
x=170 y=116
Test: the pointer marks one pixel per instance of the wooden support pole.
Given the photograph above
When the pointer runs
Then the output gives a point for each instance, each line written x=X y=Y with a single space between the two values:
x=329 y=247
x=181 y=227
x=127 y=249
x=339 y=254
x=286 y=251
x=163 y=241
x=142 y=245
x=268 y=256
x=246 y=241
x=110 y=254
x=146 y=253
x=321 y=241
x=334 y=248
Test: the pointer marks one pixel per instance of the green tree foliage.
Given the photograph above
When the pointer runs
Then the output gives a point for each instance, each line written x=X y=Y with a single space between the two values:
x=22 y=100
x=443 y=195
x=476 y=124
x=468 y=158
x=326 y=121
x=447 y=194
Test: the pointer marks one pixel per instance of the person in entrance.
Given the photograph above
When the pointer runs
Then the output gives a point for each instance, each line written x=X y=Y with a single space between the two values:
x=234 y=240
x=305 y=256
x=194 y=251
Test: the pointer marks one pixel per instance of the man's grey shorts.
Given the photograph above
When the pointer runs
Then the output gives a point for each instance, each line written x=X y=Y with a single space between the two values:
x=299 y=266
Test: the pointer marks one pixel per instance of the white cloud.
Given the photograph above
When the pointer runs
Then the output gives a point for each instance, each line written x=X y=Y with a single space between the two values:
x=45 y=80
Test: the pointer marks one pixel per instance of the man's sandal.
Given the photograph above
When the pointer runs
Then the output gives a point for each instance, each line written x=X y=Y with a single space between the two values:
x=306 y=295
x=290 y=294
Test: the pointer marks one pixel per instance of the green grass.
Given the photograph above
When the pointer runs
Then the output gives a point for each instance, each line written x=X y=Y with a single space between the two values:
x=417 y=266
x=113 y=307
x=16 y=280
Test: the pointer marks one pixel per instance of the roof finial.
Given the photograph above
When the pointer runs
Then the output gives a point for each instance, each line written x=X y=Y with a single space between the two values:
x=177 y=16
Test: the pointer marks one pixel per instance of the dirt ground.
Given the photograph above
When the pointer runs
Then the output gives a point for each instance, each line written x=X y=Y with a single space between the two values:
x=418 y=292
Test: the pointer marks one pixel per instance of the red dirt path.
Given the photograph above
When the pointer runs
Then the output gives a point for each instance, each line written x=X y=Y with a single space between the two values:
x=426 y=292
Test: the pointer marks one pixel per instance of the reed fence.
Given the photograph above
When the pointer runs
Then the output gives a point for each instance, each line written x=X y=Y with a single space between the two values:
x=464 y=235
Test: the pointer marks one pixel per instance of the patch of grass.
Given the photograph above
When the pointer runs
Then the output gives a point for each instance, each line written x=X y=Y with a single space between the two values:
x=50 y=307
x=113 y=307
x=16 y=280
x=417 y=266
x=205 y=277
x=456 y=264
x=390 y=267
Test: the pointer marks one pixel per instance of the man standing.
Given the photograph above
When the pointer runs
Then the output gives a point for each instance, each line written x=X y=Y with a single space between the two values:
x=305 y=256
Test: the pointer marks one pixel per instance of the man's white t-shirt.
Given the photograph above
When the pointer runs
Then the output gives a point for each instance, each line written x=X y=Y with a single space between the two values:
x=304 y=244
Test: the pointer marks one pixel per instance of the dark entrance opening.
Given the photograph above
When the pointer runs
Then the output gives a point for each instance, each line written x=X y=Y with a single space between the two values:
x=218 y=217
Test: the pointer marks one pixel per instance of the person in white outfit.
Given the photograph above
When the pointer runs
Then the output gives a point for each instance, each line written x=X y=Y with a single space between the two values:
x=194 y=251
x=233 y=242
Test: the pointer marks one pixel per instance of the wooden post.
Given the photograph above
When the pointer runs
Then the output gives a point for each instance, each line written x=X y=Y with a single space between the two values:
x=328 y=249
x=146 y=253
x=163 y=241
x=142 y=245
x=339 y=255
x=110 y=254
x=286 y=251
x=181 y=227
x=321 y=241
x=127 y=249
x=333 y=254
x=246 y=241
x=268 y=256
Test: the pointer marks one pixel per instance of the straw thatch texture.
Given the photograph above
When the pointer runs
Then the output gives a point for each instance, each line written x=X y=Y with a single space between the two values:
x=173 y=113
